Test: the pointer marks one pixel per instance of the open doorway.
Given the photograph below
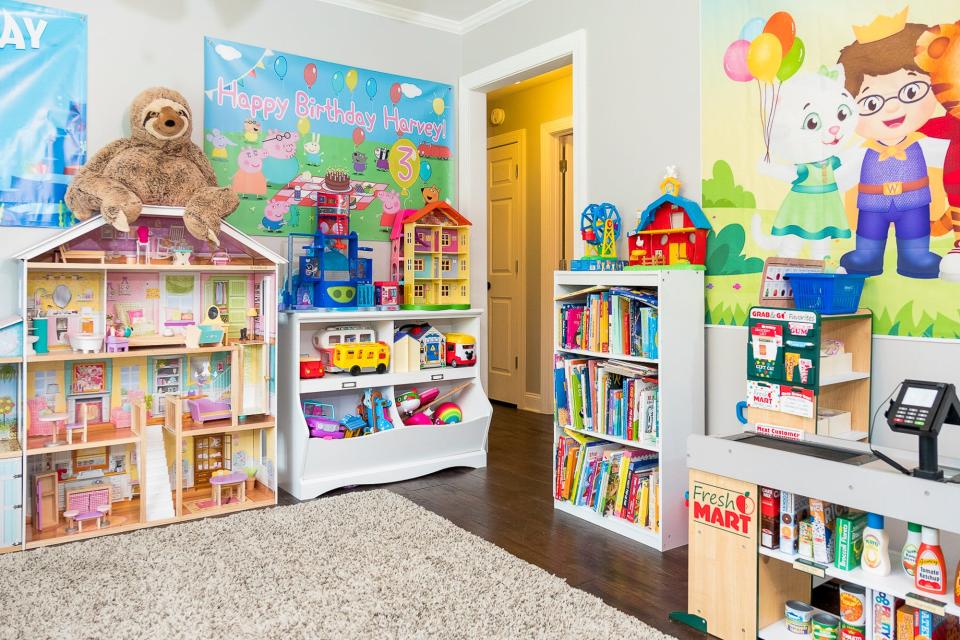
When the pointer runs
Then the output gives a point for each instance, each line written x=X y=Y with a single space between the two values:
x=529 y=194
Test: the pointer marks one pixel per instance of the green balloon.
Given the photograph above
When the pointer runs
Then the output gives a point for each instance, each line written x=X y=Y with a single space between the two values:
x=792 y=61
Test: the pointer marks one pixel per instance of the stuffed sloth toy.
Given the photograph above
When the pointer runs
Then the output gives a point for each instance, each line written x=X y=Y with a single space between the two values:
x=157 y=165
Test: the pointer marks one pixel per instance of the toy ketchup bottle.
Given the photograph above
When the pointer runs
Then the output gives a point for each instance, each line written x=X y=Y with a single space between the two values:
x=931 y=573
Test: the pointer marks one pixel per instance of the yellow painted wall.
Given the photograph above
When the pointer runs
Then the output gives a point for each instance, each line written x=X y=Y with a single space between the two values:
x=527 y=109
x=79 y=285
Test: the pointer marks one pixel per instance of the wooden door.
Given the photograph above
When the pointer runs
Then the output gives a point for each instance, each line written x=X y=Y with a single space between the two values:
x=566 y=184
x=46 y=513
x=504 y=217
x=230 y=296
x=10 y=500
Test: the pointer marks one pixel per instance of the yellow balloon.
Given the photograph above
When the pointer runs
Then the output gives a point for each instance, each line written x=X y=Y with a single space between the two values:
x=438 y=106
x=303 y=126
x=404 y=164
x=764 y=57
x=351 y=79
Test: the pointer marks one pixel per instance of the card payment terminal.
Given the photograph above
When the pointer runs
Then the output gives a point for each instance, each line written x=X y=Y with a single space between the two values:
x=921 y=409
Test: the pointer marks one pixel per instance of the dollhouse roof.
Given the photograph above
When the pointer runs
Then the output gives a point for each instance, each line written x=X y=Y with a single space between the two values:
x=692 y=209
x=457 y=218
x=9 y=321
x=87 y=226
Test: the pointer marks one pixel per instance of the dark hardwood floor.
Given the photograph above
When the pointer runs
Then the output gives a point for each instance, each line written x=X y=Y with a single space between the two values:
x=509 y=503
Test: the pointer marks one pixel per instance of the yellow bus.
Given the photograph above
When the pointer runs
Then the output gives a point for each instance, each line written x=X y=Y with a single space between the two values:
x=361 y=357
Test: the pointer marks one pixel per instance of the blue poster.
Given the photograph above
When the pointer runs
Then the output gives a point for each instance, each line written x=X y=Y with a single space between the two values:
x=279 y=127
x=43 y=112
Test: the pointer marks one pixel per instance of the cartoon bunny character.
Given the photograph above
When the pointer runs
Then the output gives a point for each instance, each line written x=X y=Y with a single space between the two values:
x=220 y=143
x=311 y=148
x=815 y=116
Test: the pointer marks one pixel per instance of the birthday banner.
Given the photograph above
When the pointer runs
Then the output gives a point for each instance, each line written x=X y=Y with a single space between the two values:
x=43 y=104
x=279 y=127
x=831 y=130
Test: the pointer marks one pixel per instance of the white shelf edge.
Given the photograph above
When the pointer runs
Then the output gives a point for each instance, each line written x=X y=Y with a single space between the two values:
x=335 y=382
x=402 y=314
x=617 y=525
x=608 y=356
x=897 y=584
x=602 y=436
x=840 y=378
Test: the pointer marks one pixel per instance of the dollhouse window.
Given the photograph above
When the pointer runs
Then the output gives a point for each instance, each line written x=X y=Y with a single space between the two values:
x=409 y=237
x=676 y=219
x=418 y=291
x=663 y=239
x=129 y=380
x=445 y=239
x=444 y=290
x=463 y=264
x=446 y=264
x=463 y=291
x=418 y=264
x=42 y=380
x=691 y=238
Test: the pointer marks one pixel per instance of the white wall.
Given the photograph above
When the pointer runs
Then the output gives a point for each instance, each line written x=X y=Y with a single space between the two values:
x=135 y=44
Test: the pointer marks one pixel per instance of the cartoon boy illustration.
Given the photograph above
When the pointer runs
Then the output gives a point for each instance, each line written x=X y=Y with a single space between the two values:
x=894 y=100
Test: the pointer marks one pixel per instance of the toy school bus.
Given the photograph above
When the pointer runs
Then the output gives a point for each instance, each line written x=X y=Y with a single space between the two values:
x=461 y=350
x=361 y=357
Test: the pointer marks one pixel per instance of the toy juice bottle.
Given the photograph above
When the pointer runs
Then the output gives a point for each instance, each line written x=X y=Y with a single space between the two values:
x=908 y=556
x=931 y=575
x=876 y=543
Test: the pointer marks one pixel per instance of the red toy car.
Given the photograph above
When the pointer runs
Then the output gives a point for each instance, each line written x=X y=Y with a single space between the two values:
x=310 y=367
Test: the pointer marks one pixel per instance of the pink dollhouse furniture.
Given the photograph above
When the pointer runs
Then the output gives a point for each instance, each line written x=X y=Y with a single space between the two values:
x=84 y=505
x=204 y=409
x=36 y=406
x=234 y=482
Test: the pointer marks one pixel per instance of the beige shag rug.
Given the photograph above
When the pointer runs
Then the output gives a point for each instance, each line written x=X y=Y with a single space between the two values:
x=362 y=565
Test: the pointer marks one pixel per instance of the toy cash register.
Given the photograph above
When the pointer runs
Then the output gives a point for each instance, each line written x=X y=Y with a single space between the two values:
x=921 y=409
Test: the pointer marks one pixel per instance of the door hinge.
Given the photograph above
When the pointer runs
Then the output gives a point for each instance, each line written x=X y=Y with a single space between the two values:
x=563 y=166
x=516 y=362
x=516 y=168
x=18 y=475
x=18 y=506
x=516 y=266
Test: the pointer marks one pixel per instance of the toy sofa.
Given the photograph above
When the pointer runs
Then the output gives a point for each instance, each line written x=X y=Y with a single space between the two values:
x=204 y=409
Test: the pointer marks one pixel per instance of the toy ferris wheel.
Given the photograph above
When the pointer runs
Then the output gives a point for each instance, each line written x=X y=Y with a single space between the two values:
x=600 y=226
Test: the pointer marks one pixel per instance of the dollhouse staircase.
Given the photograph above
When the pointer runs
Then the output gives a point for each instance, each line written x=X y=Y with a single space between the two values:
x=159 y=498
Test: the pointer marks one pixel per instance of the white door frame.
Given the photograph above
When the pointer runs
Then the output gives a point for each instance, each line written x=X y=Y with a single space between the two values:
x=472 y=144
x=518 y=137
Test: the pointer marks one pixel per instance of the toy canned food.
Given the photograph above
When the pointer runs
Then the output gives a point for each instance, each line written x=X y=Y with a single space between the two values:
x=853 y=605
x=797 y=617
x=852 y=631
x=825 y=626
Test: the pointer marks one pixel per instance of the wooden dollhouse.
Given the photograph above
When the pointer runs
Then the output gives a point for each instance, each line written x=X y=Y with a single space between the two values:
x=418 y=346
x=670 y=232
x=143 y=365
x=429 y=257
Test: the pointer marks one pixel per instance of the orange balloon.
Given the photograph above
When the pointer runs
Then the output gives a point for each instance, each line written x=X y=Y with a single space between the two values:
x=781 y=25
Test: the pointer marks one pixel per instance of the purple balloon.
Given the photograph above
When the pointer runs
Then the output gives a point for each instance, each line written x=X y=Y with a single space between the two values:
x=735 y=61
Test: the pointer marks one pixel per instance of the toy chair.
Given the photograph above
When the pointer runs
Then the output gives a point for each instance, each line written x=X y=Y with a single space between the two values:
x=78 y=426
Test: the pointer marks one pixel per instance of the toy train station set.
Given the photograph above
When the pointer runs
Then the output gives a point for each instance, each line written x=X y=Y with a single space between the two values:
x=429 y=267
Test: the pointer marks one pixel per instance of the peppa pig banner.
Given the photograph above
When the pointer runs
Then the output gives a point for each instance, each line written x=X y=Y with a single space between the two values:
x=43 y=76
x=278 y=127
x=831 y=130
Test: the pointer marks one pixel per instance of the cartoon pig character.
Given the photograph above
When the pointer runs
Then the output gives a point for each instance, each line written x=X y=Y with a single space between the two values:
x=281 y=164
x=391 y=207
x=359 y=162
x=220 y=143
x=249 y=180
x=273 y=215
x=312 y=150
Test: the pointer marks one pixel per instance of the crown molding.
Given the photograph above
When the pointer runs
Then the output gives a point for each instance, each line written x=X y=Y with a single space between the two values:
x=429 y=20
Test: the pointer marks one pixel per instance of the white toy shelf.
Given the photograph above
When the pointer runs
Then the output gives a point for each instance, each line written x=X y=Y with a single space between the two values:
x=309 y=467
x=681 y=390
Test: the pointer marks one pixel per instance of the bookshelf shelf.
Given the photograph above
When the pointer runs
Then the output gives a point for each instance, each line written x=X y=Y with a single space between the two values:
x=678 y=408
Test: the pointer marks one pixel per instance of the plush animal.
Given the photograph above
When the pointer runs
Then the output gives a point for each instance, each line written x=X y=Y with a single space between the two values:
x=157 y=165
x=814 y=119
x=938 y=53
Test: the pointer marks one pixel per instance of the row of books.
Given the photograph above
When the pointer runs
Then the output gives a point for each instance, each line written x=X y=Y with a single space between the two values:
x=611 y=397
x=615 y=321
x=614 y=481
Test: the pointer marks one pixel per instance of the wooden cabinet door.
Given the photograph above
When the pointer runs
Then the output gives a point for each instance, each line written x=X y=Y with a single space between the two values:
x=11 y=498
x=46 y=511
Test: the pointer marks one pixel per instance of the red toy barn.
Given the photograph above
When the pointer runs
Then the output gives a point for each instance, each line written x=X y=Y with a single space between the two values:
x=671 y=232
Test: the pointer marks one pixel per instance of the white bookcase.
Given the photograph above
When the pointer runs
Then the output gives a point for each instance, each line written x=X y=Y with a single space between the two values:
x=309 y=467
x=681 y=381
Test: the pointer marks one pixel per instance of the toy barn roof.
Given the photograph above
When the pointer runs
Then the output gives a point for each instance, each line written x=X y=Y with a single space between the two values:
x=94 y=223
x=693 y=210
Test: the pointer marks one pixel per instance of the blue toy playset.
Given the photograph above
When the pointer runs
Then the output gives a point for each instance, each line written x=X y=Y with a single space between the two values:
x=329 y=272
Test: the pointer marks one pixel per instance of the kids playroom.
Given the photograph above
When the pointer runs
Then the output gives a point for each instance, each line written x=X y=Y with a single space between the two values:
x=332 y=318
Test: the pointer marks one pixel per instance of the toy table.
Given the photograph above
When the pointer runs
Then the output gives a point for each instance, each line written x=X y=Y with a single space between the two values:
x=235 y=481
x=56 y=419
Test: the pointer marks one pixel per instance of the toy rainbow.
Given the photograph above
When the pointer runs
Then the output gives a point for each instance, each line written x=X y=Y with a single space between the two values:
x=447 y=413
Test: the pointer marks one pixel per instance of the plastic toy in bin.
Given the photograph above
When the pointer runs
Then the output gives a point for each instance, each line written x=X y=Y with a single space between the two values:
x=310 y=367
x=321 y=420
x=828 y=293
